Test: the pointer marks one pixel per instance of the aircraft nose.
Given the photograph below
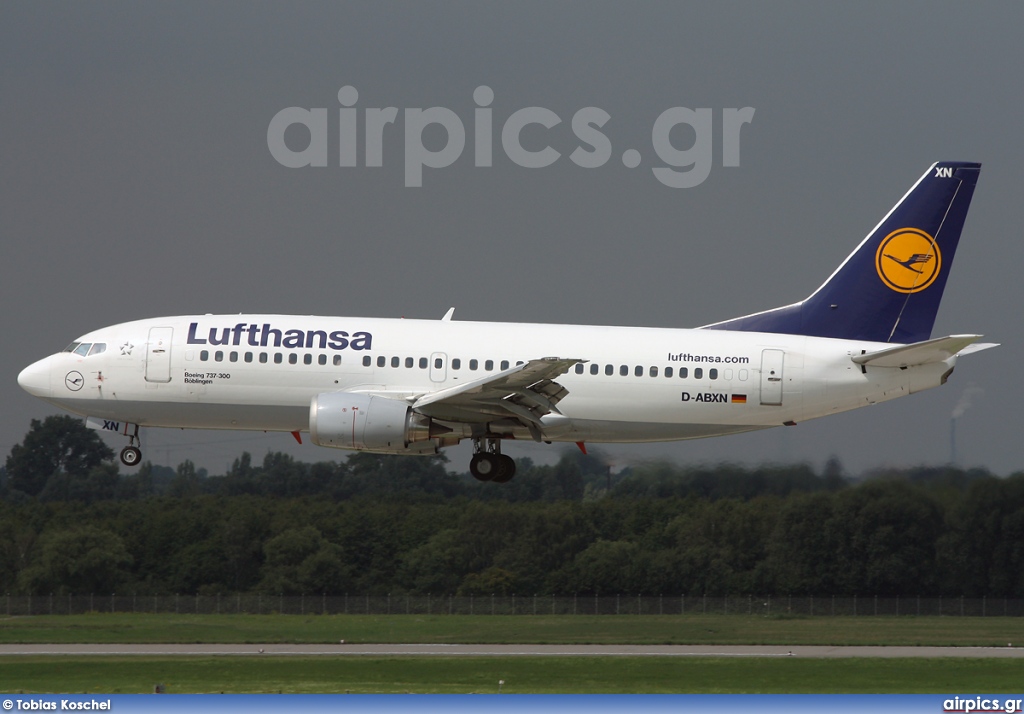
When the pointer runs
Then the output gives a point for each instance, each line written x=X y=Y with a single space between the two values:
x=35 y=379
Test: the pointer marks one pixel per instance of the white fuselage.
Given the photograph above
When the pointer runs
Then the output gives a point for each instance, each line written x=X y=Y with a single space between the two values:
x=638 y=384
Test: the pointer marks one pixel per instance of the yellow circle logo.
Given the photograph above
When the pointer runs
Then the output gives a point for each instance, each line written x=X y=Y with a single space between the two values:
x=908 y=260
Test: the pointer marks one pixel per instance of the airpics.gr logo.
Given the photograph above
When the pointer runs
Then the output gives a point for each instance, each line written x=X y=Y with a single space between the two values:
x=529 y=137
x=908 y=260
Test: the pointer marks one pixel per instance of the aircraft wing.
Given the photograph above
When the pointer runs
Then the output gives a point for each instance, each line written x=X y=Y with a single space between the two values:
x=937 y=350
x=525 y=392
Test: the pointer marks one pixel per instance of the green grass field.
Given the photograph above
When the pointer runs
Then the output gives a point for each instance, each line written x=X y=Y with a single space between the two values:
x=365 y=674
x=519 y=629
x=521 y=675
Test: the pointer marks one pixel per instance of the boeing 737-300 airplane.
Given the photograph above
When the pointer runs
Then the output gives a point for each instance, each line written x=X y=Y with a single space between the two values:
x=415 y=386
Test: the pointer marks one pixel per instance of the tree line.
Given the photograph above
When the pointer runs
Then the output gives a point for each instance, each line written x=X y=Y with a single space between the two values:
x=71 y=523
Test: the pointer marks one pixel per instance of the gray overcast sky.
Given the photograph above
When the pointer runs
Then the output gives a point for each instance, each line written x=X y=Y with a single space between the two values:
x=137 y=182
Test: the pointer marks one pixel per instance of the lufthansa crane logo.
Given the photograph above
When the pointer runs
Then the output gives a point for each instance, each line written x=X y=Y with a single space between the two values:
x=74 y=381
x=908 y=260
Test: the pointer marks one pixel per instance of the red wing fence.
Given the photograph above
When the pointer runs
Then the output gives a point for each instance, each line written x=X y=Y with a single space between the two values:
x=745 y=605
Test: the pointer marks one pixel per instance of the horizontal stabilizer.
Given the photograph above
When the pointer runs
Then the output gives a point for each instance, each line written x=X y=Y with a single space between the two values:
x=976 y=347
x=927 y=352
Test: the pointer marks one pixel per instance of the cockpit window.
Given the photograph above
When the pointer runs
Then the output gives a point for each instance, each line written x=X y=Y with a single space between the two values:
x=86 y=348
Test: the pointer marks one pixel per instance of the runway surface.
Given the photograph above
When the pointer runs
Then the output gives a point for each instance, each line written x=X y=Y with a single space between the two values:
x=351 y=650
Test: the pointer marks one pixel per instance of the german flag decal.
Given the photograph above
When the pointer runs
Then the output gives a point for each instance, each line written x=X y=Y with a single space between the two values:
x=739 y=399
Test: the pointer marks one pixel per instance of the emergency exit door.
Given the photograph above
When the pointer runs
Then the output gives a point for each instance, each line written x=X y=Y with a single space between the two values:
x=438 y=367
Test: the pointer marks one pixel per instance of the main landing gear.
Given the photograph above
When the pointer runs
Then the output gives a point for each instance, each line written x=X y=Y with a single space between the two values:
x=131 y=455
x=489 y=464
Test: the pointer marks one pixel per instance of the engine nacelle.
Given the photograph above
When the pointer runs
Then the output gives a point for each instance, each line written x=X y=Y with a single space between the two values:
x=363 y=422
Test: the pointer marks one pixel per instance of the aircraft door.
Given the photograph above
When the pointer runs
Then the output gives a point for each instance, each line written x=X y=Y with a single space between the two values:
x=438 y=367
x=158 y=354
x=771 y=377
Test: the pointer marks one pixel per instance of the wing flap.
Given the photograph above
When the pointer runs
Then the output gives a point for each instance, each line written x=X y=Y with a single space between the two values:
x=522 y=376
x=918 y=353
x=525 y=392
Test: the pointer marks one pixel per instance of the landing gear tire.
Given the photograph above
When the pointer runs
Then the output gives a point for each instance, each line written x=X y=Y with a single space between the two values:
x=506 y=469
x=484 y=467
x=130 y=455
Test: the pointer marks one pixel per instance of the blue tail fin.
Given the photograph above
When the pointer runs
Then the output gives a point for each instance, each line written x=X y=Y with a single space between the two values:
x=889 y=288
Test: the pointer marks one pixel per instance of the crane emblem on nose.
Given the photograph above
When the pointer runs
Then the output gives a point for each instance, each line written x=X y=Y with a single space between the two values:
x=74 y=381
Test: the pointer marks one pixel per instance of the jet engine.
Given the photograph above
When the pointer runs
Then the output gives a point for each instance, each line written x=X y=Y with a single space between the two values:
x=363 y=422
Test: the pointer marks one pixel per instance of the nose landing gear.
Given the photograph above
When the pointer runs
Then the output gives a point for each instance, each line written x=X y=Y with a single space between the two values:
x=489 y=464
x=131 y=455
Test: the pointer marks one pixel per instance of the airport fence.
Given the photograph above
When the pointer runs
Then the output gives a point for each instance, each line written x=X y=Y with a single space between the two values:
x=747 y=605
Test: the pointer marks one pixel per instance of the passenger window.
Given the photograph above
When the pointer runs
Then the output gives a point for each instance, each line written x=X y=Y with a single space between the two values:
x=293 y=358
x=684 y=372
x=204 y=355
x=489 y=365
x=233 y=357
x=713 y=373
x=218 y=356
x=609 y=370
x=743 y=374
x=277 y=358
x=367 y=360
x=504 y=364
x=654 y=371
x=423 y=362
x=322 y=359
x=263 y=357
x=594 y=369
x=473 y=364
x=83 y=349
x=396 y=362
x=519 y=363
x=623 y=370
x=579 y=368
x=98 y=348
x=638 y=371
x=438 y=362
x=668 y=371
x=307 y=359
x=337 y=360
x=382 y=361
x=698 y=372
x=248 y=356
x=408 y=362
x=456 y=363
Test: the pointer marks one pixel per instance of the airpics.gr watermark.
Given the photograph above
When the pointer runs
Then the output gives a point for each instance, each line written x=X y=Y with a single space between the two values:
x=683 y=168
